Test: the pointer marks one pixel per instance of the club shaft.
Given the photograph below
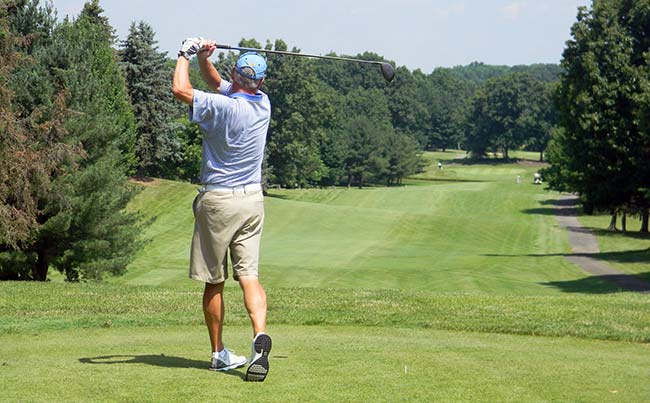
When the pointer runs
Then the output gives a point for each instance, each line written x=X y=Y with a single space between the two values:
x=281 y=52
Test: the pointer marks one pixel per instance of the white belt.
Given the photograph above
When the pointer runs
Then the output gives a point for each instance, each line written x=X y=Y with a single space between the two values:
x=253 y=187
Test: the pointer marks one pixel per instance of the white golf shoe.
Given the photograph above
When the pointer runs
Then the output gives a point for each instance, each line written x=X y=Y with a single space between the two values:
x=227 y=360
x=258 y=366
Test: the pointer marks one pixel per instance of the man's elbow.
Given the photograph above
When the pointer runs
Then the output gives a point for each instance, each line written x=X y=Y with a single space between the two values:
x=185 y=95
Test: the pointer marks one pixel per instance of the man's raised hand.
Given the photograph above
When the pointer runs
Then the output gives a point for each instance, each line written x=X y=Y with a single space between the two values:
x=190 y=47
x=207 y=48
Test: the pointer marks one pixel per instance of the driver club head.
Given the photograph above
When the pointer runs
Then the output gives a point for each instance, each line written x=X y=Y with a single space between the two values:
x=387 y=71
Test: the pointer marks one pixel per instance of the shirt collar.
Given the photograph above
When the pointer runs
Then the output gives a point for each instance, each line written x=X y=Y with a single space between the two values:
x=249 y=97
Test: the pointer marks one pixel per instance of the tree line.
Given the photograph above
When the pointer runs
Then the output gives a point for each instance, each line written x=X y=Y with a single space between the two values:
x=601 y=149
x=81 y=112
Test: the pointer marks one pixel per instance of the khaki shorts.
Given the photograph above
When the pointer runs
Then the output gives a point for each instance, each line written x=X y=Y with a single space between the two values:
x=226 y=222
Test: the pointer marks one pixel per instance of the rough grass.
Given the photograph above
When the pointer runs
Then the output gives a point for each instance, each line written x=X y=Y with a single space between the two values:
x=27 y=308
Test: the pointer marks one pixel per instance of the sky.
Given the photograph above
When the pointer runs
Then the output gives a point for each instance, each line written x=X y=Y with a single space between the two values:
x=417 y=34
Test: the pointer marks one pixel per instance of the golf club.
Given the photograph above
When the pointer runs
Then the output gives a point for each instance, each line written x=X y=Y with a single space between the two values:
x=387 y=69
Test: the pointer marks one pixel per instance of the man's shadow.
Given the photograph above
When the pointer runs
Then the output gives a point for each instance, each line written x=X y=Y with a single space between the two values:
x=160 y=360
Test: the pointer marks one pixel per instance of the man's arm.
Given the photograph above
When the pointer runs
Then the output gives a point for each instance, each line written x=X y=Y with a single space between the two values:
x=181 y=86
x=209 y=73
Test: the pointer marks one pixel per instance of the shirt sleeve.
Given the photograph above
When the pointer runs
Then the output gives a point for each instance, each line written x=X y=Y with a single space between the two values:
x=208 y=109
x=225 y=87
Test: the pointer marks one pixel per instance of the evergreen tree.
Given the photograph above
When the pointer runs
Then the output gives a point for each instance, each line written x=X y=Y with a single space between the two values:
x=302 y=111
x=81 y=227
x=367 y=129
x=157 y=146
x=33 y=146
x=404 y=159
x=367 y=143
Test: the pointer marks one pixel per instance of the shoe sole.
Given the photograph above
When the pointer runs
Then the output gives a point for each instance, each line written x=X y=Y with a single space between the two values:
x=258 y=369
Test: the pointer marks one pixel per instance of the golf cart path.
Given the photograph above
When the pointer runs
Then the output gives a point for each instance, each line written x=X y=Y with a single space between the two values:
x=584 y=245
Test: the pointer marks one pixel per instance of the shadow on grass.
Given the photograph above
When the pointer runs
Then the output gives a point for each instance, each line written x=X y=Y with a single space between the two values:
x=561 y=207
x=605 y=284
x=613 y=234
x=491 y=161
x=160 y=360
x=594 y=284
x=443 y=180
x=276 y=196
x=541 y=211
x=628 y=256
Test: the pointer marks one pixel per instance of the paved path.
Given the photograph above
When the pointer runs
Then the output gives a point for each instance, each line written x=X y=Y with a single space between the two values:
x=584 y=245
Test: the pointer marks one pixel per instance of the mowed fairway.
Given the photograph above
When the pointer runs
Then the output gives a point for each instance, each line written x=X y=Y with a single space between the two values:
x=452 y=288
x=467 y=228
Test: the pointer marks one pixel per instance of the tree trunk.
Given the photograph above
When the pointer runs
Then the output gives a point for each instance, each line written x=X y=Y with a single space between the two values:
x=39 y=271
x=644 y=220
x=505 y=153
x=624 y=222
x=541 y=156
x=612 y=223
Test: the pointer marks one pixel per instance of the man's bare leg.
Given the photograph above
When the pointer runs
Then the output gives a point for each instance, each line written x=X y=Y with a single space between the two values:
x=255 y=302
x=213 y=310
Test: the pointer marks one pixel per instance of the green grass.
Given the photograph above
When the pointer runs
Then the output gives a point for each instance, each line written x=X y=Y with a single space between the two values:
x=329 y=364
x=109 y=343
x=453 y=287
x=466 y=228
x=26 y=308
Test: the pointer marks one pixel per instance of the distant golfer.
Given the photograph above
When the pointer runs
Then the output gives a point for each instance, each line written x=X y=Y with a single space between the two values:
x=229 y=209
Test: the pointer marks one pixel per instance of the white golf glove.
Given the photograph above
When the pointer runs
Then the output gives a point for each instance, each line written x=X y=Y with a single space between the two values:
x=190 y=47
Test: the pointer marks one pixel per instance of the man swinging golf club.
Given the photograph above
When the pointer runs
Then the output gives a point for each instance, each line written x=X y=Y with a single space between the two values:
x=229 y=209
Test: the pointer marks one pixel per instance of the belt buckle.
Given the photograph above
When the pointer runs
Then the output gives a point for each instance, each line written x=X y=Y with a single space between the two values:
x=239 y=191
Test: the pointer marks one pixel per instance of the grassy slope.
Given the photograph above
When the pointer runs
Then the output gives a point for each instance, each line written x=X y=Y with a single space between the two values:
x=466 y=228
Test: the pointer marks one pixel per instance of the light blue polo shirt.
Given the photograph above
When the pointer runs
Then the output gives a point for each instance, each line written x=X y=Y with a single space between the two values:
x=234 y=134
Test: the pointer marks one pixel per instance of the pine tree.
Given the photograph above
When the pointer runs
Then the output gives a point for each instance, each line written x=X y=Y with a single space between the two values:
x=80 y=226
x=158 y=147
x=33 y=146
